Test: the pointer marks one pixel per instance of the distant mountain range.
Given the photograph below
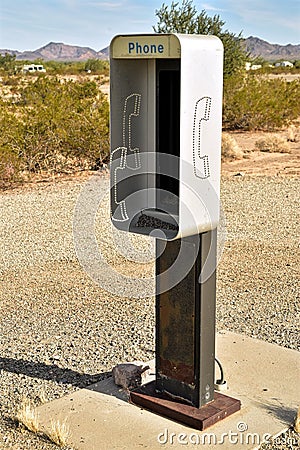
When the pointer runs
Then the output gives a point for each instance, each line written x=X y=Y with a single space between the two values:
x=271 y=52
x=57 y=51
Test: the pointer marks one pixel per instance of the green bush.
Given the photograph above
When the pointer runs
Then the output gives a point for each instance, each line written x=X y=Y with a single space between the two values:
x=54 y=125
x=10 y=138
x=63 y=67
x=185 y=18
x=97 y=66
x=7 y=64
x=257 y=103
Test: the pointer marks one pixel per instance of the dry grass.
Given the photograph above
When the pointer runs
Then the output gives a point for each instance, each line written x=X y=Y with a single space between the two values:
x=27 y=416
x=273 y=143
x=59 y=433
x=230 y=148
x=297 y=422
x=42 y=398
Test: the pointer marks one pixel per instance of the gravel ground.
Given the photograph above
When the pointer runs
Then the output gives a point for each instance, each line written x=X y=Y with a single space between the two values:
x=61 y=331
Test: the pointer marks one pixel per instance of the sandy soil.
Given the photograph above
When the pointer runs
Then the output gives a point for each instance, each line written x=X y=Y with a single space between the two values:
x=258 y=163
x=286 y=76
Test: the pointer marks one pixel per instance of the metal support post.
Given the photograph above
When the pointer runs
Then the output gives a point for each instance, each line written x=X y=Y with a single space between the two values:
x=185 y=321
x=185 y=336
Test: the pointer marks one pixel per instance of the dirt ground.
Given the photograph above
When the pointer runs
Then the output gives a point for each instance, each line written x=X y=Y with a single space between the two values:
x=257 y=163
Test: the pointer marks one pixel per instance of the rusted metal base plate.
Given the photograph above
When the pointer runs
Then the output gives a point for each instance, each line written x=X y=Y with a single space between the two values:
x=199 y=418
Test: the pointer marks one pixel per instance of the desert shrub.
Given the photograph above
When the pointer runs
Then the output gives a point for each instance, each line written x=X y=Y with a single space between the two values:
x=63 y=67
x=230 y=148
x=97 y=66
x=292 y=133
x=7 y=63
x=54 y=126
x=10 y=140
x=256 y=103
x=9 y=167
x=273 y=143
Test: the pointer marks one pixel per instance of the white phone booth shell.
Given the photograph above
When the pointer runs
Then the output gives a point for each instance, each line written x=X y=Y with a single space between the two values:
x=166 y=99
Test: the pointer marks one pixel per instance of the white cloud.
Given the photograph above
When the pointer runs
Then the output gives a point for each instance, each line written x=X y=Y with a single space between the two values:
x=209 y=7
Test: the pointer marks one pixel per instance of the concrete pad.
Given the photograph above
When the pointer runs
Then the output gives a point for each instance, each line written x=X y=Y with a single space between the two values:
x=263 y=376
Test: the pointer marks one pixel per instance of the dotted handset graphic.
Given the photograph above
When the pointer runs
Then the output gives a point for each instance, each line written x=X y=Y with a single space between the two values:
x=119 y=160
x=202 y=112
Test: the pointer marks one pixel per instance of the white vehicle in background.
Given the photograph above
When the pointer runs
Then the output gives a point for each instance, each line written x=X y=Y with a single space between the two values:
x=33 y=68
x=284 y=64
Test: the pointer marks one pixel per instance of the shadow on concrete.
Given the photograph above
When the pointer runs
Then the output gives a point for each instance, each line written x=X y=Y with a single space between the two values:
x=108 y=387
x=284 y=414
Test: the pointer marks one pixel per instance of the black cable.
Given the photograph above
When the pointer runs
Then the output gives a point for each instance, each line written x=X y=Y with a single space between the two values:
x=221 y=381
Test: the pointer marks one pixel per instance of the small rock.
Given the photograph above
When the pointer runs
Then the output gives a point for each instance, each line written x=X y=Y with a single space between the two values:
x=129 y=376
x=239 y=174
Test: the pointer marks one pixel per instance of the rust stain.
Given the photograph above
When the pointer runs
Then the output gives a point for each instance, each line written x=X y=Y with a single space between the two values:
x=177 y=371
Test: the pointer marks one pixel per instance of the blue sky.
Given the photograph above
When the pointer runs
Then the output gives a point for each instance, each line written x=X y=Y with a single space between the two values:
x=30 y=24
